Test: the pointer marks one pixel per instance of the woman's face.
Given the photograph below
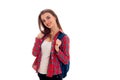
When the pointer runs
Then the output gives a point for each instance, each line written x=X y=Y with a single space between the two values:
x=48 y=20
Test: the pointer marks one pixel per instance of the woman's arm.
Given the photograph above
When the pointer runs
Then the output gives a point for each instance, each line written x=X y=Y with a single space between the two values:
x=36 y=47
x=63 y=52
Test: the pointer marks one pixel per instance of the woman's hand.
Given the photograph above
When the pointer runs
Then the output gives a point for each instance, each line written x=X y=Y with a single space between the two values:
x=57 y=45
x=40 y=35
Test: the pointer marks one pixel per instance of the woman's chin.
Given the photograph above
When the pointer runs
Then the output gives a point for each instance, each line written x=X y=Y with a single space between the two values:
x=49 y=27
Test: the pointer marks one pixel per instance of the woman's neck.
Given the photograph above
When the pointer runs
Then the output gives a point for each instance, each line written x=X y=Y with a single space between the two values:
x=54 y=31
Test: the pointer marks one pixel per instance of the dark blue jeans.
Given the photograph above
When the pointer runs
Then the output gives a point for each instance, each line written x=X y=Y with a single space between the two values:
x=44 y=77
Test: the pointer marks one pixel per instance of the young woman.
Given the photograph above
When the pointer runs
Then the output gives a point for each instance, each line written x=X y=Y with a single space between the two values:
x=48 y=49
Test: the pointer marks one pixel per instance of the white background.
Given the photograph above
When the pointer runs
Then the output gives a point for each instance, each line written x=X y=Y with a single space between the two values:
x=92 y=25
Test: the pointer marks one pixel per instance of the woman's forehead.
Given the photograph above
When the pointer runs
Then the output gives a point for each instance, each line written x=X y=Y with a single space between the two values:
x=45 y=15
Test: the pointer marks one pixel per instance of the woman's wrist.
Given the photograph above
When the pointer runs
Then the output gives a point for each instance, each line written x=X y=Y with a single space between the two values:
x=57 y=49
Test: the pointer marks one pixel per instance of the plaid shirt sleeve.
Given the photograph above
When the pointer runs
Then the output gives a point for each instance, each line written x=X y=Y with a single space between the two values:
x=36 y=47
x=63 y=53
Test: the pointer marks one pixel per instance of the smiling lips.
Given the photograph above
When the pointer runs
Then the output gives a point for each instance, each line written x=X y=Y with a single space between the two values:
x=48 y=24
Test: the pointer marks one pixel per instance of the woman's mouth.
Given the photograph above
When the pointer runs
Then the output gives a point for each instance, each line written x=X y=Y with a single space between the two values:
x=48 y=24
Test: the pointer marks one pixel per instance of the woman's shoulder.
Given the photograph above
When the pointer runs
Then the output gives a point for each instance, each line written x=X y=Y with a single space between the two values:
x=63 y=36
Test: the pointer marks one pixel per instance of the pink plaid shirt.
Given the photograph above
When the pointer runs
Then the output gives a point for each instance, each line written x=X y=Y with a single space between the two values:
x=54 y=63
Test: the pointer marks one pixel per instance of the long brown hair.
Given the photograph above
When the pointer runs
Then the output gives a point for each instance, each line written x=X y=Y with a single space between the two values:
x=41 y=24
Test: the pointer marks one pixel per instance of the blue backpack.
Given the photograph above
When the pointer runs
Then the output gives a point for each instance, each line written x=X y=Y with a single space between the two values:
x=64 y=67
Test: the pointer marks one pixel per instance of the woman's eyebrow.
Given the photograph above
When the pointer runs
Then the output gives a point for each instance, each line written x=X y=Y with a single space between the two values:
x=48 y=16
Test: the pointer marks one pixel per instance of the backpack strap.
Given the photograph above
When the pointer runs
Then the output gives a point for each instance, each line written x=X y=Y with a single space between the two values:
x=61 y=35
x=64 y=68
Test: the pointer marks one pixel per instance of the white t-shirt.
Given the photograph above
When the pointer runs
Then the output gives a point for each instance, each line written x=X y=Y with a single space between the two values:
x=45 y=49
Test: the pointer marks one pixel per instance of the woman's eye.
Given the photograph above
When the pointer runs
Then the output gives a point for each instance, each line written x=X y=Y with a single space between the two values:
x=43 y=20
x=48 y=17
